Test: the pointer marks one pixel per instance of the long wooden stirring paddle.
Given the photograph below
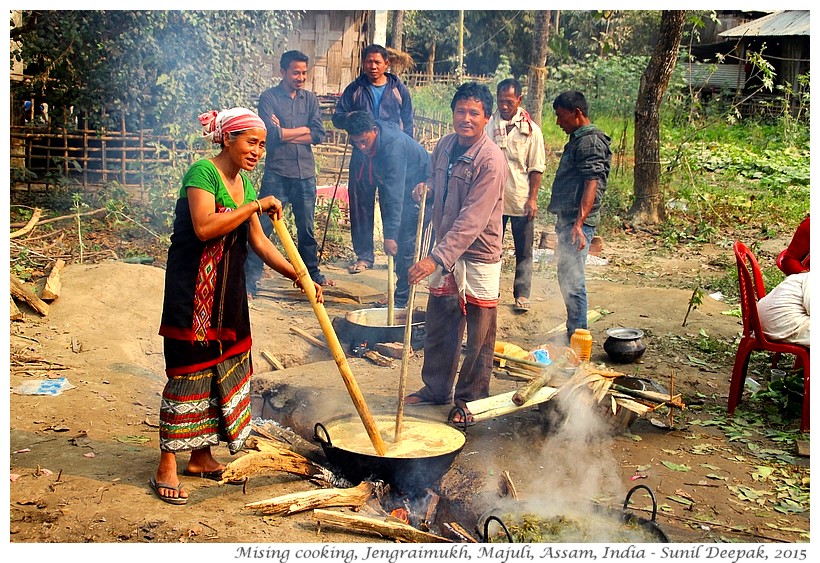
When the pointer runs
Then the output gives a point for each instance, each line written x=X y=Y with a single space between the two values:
x=330 y=335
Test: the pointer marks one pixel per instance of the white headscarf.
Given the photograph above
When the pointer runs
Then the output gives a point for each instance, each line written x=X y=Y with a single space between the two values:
x=216 y=125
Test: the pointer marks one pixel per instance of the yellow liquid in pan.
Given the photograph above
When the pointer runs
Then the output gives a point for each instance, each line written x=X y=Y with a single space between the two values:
x=418 y=439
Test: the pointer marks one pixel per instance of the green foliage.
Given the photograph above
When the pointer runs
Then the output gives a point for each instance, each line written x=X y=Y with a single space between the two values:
x=161 y=68
x=433 y=100
x=604 y=32
x=610 y=84
x=785 y=394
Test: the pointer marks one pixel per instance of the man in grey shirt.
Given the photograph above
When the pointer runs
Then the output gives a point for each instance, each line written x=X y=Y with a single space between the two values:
x=294 y=123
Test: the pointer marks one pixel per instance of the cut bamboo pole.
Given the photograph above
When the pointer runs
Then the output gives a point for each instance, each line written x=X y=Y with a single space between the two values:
x=330 y=335
x=408 y=322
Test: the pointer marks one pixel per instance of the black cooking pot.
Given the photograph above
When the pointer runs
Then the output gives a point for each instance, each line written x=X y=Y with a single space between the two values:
x=370 y=325
x=408 y=474
x=649 y=526
x=624 y=345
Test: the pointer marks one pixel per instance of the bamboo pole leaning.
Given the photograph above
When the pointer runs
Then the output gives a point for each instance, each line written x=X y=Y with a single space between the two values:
x=408 y=323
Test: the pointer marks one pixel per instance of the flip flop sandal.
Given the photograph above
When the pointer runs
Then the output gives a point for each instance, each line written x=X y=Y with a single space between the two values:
x=325 y=281
x=215 y=475
x=522 y=304
x=466 y=418
x=170 y=500
x=358 y=267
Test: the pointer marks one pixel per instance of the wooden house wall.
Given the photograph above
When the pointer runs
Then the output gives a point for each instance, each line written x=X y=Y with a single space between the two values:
x=334 y=41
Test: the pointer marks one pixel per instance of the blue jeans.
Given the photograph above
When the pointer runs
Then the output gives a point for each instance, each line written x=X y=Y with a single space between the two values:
x=523 y=233
x=571 y=274
x=301 y=194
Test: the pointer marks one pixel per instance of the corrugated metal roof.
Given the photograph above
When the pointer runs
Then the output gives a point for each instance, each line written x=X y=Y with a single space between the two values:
x=788 y=22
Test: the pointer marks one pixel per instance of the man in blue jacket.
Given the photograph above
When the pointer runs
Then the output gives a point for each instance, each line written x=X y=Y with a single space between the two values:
x=386 y=98
x=394 y=164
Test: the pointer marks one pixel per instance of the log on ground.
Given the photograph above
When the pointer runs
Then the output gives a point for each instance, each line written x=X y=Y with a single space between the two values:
x=385 y=528
x=23 y=293
x=270 y=460
x=309 y=500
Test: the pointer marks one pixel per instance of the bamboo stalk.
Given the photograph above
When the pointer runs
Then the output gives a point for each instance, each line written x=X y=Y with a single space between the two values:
x=330 y=335
x=652 y=396
x=522 y=361
x=408 y=322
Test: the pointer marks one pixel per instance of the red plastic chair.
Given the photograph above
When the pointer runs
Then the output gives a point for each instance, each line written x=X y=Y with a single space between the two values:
x=752 y=289
x=779 y=260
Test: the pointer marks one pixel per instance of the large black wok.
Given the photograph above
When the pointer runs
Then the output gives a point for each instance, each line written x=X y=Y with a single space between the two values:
x=649 y=527
x=408 y=474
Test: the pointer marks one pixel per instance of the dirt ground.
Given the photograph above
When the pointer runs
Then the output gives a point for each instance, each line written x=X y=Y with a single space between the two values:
x=80 y=461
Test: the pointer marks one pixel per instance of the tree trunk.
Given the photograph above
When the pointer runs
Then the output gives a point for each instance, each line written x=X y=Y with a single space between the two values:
x=648 y=205
x=430 y=60
x=537 y=75
x=397 y=41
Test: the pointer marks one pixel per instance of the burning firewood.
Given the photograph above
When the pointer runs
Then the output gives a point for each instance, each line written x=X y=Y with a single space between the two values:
x=284 y=505
x=432 y=507
x=378 y=359
x=385 y=528
x=506 y=487
x=459 y=531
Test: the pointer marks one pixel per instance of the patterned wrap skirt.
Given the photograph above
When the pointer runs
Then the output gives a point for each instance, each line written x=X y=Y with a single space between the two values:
x=202 y=407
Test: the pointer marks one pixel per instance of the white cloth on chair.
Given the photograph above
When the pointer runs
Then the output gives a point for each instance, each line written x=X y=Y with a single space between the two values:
x=785 y=312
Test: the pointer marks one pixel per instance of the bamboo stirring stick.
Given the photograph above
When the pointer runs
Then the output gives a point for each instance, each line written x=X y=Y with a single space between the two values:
x=330 y=335
x=391 y=283
x=408 y=323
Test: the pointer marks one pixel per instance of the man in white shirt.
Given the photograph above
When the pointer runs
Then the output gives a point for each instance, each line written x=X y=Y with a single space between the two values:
x=522 y=143
x=785 y=312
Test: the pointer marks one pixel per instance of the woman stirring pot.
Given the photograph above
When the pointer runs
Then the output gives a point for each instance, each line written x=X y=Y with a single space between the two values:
x=205 y=318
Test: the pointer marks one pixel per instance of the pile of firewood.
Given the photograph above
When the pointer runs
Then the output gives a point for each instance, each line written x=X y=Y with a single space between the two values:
x=49 y=292
x=45 y=251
